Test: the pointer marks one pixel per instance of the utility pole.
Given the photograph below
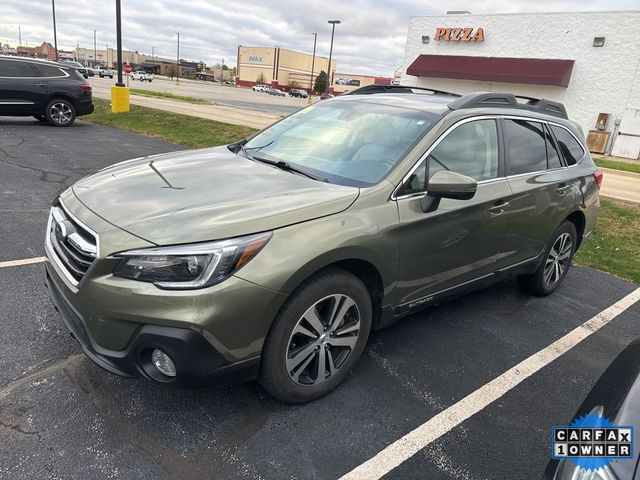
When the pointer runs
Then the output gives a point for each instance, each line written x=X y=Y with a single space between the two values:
x=55 y=35
x=333 y=29
x=222 y=73
x=107 y=54
x=19 y=37
x=178 y=61
x=313 y=59
x=95 y=50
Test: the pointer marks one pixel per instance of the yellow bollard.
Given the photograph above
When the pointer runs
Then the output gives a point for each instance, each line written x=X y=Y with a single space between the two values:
x=119 y=99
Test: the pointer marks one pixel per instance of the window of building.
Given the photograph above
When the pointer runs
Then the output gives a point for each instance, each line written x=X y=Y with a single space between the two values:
x=571 y=149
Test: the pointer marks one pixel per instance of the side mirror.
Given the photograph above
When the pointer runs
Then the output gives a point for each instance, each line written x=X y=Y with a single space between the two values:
x=446 y=184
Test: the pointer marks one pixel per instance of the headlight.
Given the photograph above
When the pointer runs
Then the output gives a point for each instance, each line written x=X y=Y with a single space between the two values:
x=190 y=266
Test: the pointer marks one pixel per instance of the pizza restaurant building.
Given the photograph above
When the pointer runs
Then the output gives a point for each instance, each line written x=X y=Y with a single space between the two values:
x=590 y=61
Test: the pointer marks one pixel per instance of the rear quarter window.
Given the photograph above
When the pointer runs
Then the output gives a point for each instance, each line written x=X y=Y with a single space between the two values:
x=50 y=71
x=571 y=149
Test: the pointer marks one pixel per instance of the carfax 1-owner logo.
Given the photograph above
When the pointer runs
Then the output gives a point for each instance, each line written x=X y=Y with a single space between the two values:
x=592 y=442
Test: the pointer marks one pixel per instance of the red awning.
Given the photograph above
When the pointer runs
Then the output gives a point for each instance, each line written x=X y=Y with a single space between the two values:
x=536 y=71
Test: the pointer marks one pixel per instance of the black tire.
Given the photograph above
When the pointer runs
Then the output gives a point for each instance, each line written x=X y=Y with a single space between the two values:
x=60 y=112
x=110 y=76
x=331 y=291
x=555 y=264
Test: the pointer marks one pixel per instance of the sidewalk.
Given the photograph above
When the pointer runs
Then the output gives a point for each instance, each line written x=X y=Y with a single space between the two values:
x=235 y=116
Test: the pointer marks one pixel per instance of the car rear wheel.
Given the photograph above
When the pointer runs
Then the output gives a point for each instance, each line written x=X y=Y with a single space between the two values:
x=317 y=337
x=60 y=112
x=556 y=263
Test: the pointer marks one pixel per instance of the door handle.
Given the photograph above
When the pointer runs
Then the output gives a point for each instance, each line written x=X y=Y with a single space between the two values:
x=562 y=189
x=498 y=208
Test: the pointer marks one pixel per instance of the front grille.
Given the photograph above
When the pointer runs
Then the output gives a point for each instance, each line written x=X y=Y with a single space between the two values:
x=72 y=243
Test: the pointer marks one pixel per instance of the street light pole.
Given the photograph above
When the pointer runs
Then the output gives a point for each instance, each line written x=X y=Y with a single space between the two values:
x=95 y=50
x=222 y=73
x=118 y=46
x=333 y=29
x=55 y=35
x=313 y=59
x=178 y=61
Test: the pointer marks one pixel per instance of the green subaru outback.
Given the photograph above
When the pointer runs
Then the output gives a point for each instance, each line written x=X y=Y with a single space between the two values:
x=273 y=258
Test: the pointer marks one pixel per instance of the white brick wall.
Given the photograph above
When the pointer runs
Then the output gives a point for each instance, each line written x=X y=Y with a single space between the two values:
x=604 y=79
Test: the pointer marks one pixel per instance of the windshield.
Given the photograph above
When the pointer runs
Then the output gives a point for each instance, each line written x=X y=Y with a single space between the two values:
x=347 y=142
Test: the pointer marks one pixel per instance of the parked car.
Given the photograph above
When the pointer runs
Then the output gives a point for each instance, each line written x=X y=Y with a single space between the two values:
x=615 y=397
x=260 y=88
x=103 y=71
x=90 y=71
x=79 y=68
x=49 y=91
x=281 y=269
x=276 y=92
x=142 y=76
x=294 y=92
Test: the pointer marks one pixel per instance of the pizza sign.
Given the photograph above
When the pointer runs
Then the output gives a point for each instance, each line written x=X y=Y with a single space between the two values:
x=460 y=34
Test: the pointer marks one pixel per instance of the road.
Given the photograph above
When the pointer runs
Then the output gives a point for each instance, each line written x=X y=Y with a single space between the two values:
x=63 y=417
x=226 y=96
x=621 y=185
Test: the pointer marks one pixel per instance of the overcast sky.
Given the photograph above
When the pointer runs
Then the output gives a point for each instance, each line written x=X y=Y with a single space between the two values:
x=370 y=40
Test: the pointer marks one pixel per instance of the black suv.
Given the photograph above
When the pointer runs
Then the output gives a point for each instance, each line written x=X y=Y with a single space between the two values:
x=48 y=91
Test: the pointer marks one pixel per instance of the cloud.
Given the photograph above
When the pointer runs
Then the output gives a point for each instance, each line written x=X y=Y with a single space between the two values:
x=370 y=39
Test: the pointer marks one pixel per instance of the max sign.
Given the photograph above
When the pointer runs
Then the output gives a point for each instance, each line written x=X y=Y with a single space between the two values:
x=459 y=34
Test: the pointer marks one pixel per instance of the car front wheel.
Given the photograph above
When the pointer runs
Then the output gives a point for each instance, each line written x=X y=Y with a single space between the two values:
x=556 y=262
x=317 y=337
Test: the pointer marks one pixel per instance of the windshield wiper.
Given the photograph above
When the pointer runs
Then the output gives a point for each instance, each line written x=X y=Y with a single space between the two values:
x=287 y=167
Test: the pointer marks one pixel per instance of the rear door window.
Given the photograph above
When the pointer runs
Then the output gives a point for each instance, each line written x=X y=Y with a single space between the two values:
x=571 y=149
x=525 y=145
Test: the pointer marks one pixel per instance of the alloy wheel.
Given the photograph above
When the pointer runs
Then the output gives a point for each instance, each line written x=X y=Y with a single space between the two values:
x=61 y=113
x=322 y=340
x=558 y=259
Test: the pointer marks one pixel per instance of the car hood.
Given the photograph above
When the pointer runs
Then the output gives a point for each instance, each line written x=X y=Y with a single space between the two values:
x=203 y=195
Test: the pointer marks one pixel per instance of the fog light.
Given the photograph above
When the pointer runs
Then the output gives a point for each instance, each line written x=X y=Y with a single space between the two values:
x=163 y=363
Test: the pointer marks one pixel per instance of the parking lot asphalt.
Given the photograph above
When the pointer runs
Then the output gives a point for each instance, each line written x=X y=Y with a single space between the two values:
x=63 y=417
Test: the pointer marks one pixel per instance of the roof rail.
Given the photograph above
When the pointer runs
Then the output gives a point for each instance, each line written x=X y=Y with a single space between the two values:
x=489 y=99
x=371 y=89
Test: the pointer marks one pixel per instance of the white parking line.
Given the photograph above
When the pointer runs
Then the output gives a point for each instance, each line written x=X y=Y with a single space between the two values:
x=407 y=446
x=24 y=261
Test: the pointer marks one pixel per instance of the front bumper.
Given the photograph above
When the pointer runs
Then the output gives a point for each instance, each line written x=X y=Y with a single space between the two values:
x=197 y=362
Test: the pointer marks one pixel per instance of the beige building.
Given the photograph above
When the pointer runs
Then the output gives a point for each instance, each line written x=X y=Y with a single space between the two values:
x=280 y=68
x=345 y=82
